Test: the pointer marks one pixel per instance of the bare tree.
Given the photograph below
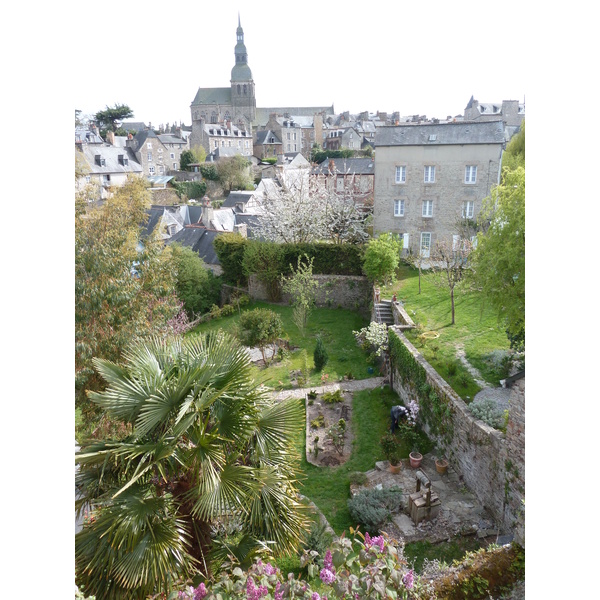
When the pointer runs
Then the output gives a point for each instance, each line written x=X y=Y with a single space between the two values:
x=450 y=261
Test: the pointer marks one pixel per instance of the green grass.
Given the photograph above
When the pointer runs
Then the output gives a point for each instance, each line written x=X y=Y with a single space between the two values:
x=329 y=487
x=476 y=329
x=335 y=327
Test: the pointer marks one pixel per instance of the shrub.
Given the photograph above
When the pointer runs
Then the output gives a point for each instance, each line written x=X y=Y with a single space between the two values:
x=332 y=397
x=358 y=478
x=337 y=435
x=488 y=411
x=318 y=422
x=318 y=538
x=259 y=327
x=320 y=355
x=373 y=508
x=230 y=248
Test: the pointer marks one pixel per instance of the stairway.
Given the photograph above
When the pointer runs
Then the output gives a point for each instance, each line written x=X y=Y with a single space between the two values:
x=383 y=312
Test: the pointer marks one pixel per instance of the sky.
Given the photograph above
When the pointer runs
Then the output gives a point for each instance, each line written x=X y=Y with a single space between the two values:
x=376 y=56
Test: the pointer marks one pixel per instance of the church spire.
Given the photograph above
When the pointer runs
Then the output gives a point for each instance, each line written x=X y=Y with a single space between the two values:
x=241 y=70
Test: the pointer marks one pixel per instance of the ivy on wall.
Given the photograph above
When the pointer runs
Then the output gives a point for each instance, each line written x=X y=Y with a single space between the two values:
x=434 y=406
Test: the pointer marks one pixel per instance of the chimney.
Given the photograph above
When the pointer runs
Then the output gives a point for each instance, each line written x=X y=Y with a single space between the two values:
x=110 y=137
x=208 y=212
x=242 y=229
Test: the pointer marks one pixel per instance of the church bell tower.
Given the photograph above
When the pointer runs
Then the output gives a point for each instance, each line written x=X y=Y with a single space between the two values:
x=243 y=97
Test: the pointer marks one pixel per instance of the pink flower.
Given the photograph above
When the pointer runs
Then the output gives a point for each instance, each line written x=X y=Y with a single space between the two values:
x=328 y=561
x=327 y=576
x=408 y=580
x=200 y=592
x=315 y=596
x=270 y=569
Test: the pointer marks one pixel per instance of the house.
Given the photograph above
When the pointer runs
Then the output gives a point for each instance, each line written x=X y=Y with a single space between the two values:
x=430 y=178
x=352 y=177
x=338 y=138
x=512 y=113
x=107 y=166
x=156 y=156
x=171 y=219
x=226 y=137
x=267 y=144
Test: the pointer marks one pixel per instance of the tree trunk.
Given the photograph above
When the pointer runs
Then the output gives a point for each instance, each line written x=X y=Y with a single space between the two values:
x=452 y=299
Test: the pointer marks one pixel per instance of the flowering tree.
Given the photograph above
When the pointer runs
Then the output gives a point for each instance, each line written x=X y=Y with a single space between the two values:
x=373 y=339
x=302 y=287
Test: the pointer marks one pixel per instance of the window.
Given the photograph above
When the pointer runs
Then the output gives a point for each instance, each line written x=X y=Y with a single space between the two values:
x=427 y=208
x=151 y=170
x=175 y=166
x=172 y=154
x=289 y=135
x=398 y=208
x=340 y=183
x=455 y=242
x=425 y=244
x=429 y=174
x=468 y=210
x=160 y=150
x=405 y=241
x=470 y=174
x=400 y=174
x=106 y=178
x=88 y=178
x=149 y=145
x=149 y=156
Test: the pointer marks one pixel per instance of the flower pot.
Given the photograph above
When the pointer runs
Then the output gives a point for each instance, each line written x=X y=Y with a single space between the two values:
x=441 y=465
x=415 y=459
x=395 y=468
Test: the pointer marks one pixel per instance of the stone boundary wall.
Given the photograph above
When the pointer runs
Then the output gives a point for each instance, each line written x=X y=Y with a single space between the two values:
x=401 y=319
x=345 y=291
x=490 y=463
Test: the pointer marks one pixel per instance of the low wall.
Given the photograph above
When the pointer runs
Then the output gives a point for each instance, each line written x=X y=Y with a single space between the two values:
x=491 y=463
x=344 y=291
x=401 y=318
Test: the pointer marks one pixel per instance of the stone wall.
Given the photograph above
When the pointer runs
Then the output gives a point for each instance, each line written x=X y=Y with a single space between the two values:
x=343 y=291
x=491 y=463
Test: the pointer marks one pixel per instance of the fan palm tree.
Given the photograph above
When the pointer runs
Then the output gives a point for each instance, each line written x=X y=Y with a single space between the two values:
x=206 y=445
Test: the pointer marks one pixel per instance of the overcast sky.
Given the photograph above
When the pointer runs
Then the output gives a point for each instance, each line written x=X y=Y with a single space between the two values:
x=413 y=57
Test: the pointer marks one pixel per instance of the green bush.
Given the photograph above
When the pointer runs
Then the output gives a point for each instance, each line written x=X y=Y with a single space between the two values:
x=230 y=248
x=373 y=508
x=332 y=397
x=320 y=355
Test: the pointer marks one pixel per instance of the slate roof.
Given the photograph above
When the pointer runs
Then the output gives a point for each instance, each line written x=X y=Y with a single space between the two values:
x=264 y=135
x=237 y=196
x=167 y=138
x=263 y=114
x=200 y=240
x=141 y=136
x=359 y=166
x=133 y=125
x=251 y=222
x=83 y=134
x=467 y=132
x=212 y=96
x=224 y=152
x=110 y=154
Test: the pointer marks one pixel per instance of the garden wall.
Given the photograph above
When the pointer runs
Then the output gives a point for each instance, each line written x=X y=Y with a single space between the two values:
x=344 y=291
x=491 y=463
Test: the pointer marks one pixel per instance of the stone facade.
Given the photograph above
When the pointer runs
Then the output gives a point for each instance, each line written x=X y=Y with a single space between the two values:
x=510 y=111
x=336 y=291
x=491 y=463
x=156 y=156
x=430 y=177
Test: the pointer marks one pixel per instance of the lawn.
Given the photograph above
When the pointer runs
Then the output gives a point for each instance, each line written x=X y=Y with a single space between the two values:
x=335 y=325
x=476 y=330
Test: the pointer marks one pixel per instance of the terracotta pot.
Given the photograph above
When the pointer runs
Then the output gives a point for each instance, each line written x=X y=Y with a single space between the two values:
x=415 y=459
x=395 y=468
x=441 y=465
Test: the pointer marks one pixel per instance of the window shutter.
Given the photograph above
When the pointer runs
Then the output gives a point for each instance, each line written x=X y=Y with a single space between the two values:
x=405 y=241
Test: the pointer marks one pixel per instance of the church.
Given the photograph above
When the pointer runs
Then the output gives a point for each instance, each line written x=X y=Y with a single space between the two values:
x=225 y=117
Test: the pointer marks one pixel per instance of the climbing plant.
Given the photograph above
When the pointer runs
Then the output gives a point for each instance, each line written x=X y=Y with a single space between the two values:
x=434 y=406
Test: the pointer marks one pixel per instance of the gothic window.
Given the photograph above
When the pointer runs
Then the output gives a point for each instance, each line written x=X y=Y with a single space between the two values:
x=213 y=117
x=245 y=89
x=238 y=89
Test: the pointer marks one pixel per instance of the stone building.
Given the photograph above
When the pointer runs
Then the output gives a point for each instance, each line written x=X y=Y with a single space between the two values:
x=235 y=106
x=227 y=135
x=512 y=113
x=431 y=177
x=158 y=155
x=350 y=177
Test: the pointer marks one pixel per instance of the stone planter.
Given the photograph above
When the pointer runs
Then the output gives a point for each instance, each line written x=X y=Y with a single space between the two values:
x=415 y=459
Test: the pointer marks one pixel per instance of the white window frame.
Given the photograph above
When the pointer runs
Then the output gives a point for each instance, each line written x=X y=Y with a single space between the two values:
x=151 y=170
x=427 y=209
x=405 y=241
x=429 y=174
x=471 y=174
x=175 y=166
x=149 y=156
x=466 y=213
x=399 y=208
x=425 y=235
x=172 y=154
x=400 y=176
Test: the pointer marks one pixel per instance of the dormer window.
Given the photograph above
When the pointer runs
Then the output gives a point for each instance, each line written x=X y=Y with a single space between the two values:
x=432 y=137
